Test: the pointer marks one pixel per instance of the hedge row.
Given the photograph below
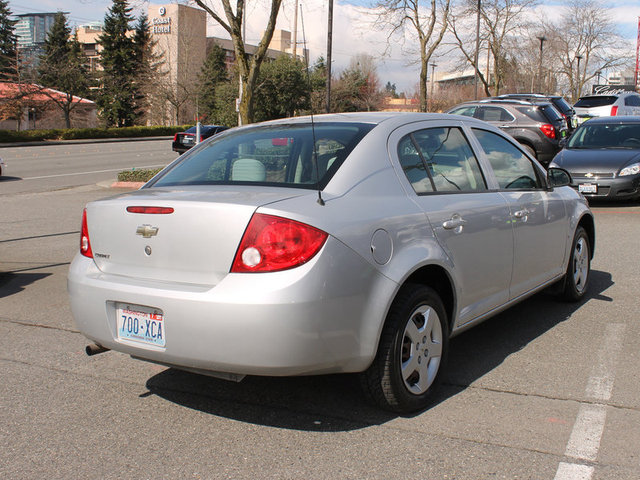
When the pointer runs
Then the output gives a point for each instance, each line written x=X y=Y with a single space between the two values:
x=7 y=136
x=139 y=175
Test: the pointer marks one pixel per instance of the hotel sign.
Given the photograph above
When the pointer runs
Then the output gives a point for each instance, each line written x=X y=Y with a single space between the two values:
x=161 y=24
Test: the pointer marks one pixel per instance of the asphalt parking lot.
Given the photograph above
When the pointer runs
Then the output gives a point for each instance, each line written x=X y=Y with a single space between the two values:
x=545 y=390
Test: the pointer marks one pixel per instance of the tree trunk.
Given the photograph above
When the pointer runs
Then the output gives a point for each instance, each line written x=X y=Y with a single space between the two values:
x=424 y=69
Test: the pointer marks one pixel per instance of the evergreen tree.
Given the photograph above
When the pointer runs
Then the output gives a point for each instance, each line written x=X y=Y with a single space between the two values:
x=62 y=68
x=8 y=59
x=148 y=69
x=283 y=89
x=212 y=76
x=116 y=99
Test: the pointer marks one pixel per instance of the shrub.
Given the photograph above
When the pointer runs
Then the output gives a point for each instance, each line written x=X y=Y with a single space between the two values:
x=137 y=175
x=7 y=136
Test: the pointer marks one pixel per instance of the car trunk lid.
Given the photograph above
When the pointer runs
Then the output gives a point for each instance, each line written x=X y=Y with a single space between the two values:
x=187 y=236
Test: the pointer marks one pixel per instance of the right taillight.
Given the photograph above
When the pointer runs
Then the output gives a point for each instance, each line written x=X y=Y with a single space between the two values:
x=614 y=110
x=549 y=130
x=85 y=243
x=271 y=244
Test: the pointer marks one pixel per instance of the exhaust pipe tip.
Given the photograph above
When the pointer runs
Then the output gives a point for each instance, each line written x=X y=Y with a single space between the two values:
x=95 y=349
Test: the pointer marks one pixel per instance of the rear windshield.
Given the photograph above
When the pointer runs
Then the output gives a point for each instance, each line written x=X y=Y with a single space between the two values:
x=551 y=113
x=599 y=101
x=279 y=155
x=562 y=105
x=602 y=135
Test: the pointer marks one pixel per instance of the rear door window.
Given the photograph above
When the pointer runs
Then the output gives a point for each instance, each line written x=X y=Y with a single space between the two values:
x=632 y=101
x=440 y=160
x=494 y=114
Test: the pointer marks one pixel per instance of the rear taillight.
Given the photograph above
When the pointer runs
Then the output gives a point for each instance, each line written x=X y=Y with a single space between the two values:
x=549 y=130
x=273 y=243
x=85 y=243
x=175 y=137
x=614 y=111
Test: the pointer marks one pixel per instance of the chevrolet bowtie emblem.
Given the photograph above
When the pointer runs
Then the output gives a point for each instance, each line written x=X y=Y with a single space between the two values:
x=147 y=231
x=589 y=175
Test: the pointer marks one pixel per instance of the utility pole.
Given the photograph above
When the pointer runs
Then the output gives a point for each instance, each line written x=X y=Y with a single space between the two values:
x=295 y=32
x=477 y=67
x=329 y=40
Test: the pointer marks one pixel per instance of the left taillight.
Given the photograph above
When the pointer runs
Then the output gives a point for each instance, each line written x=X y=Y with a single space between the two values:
x=548 y=130
x=85 y=243
x=614 y=110
x=272 y=243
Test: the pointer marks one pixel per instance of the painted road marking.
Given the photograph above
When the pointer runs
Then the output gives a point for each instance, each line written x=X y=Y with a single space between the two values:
x=89 y=173
x=584 y=442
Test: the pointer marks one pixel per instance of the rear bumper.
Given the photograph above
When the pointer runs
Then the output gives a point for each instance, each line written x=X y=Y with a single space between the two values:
x=322 y=317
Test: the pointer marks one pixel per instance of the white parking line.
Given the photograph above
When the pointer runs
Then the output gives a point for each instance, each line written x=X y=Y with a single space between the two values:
x=600 y=383
x=571 y=471
x=89 y=173
x=584 y=442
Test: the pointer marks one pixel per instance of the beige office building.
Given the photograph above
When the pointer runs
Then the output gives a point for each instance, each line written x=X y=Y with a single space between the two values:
x=179 y=33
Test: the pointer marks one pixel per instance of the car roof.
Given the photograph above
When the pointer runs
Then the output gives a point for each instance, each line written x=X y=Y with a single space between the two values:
x=375 y=118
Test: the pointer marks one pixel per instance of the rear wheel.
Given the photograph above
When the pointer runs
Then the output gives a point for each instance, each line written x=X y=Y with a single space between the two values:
x=412 y=352
x=578 y=272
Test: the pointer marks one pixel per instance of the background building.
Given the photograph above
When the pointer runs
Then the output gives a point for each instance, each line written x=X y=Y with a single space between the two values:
x=32 y=30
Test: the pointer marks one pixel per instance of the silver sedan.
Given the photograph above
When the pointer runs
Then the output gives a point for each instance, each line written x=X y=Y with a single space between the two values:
x=340 y=243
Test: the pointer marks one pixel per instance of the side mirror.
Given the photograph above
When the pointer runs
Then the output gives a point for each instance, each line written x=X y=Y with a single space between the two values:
x=558 y=177
x=563 y=142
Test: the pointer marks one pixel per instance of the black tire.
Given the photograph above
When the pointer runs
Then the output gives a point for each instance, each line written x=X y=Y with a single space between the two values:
x=576 y=280
x=419 y=342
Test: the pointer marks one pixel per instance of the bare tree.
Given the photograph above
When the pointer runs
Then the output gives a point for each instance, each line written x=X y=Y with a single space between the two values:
x=248 y=66
x=429 y=24
x=501 y=22
x=582 y=43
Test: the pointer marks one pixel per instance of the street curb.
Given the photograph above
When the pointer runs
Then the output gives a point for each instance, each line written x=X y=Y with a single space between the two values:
x=82 y=141
x=132 y=185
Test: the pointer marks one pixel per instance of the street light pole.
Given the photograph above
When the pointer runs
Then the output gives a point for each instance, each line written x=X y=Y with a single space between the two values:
x=433 y=68
x=578 y=87
x=540 y=84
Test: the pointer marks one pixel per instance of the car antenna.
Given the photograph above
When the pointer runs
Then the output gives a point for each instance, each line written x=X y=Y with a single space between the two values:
x=313 y=127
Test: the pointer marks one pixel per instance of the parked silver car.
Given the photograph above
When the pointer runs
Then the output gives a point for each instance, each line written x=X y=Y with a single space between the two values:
x=609 y=105
x=344 y=243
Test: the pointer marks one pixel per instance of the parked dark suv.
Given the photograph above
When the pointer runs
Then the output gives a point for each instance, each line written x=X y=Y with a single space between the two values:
x=564 y=107
x=538 y=126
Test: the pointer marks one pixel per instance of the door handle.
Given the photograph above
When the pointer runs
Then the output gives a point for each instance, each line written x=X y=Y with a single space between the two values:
x=456 y=223
x=522 y=213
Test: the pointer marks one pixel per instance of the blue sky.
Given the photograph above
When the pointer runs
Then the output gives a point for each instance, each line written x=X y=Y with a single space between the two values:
x=351 y=35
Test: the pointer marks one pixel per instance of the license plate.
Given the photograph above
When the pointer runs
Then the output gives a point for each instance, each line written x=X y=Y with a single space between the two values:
x=141 y=325
x=187 y=140
x=588 y=188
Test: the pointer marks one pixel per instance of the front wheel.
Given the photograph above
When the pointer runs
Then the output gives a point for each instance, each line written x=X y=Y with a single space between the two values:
x=576 y=279
x=412 y=352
